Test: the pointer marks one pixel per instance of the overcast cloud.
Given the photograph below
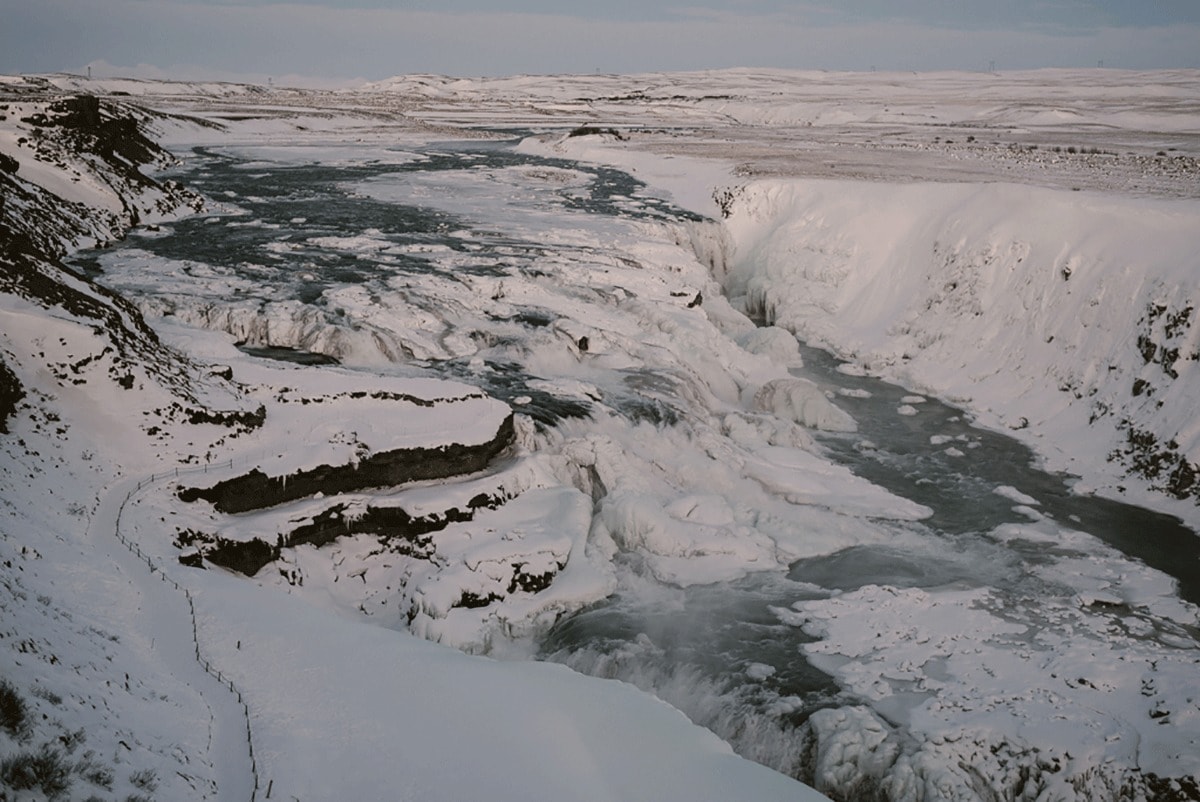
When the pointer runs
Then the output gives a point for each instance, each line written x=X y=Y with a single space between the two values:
x=373 y=39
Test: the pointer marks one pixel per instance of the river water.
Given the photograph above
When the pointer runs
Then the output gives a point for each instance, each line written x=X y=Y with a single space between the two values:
x=727 y=654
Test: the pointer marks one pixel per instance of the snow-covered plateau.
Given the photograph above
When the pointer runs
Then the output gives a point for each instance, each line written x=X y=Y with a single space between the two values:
x=343 y=434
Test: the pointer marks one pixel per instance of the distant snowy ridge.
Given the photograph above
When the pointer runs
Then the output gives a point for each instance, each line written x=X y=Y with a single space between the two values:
x=1069 y=676
x=1072 y=314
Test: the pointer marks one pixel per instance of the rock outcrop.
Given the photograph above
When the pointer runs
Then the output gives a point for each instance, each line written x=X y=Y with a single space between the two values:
x=256 y=490
x=96 y=151
x=10 y=393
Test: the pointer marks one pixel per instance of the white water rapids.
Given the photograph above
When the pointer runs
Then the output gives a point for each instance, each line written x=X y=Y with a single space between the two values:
x=843 y=579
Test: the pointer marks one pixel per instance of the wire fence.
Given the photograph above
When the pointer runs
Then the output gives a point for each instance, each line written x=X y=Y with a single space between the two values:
x=200 y=658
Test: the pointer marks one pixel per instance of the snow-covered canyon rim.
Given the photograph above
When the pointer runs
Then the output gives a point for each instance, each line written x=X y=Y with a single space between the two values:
x=1028 y=253
x=672 y=511
x=1072 y=315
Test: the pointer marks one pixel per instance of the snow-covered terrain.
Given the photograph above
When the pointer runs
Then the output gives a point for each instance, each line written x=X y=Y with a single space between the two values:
x=128 y=674
x=571 y=419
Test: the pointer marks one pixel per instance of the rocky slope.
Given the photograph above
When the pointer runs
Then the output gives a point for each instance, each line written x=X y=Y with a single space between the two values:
x=91 y=398
x=83 y=381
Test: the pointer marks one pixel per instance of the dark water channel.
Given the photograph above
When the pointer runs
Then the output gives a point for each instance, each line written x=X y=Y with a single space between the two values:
x=937 y=458
x=719 y=652
x=703 y=648
x=268 y=220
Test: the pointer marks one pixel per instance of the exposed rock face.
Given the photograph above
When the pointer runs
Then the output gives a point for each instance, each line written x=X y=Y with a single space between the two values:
x=396 y=529
x=80 y=136
x=390 y=523
x=255 y=490
x=107 y=135
x=31 y=273
x=10 y=393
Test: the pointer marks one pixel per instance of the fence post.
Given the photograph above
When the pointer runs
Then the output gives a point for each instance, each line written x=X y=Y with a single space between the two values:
x=208 y=668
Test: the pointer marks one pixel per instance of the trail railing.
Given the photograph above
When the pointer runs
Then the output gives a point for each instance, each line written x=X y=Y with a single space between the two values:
x=154 y=568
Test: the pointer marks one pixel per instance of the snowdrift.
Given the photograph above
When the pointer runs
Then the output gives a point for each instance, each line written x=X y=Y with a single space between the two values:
x=1070 y=314
x=125 y=670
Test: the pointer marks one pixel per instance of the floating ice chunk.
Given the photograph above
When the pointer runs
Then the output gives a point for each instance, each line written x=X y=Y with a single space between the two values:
x=851 y=369
x=758 y=430
x=778 y=344
x=913 y=399
x=852 y=742
x=682 y=551
x=906 y=409
x=804 y=478
x=802 y=401
x=365 y=243
x=711 y=510
x=853 y=392
x=953 y=452
x=759 y=671
x=940 y=439
x=1010 y=492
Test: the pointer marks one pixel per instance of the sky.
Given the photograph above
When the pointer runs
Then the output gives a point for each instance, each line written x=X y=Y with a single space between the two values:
x=348 y=40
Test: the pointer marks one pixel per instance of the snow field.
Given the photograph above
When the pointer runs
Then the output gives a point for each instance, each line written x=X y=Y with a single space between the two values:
x=1033 y=307
x=101 y=651
x=951 y=288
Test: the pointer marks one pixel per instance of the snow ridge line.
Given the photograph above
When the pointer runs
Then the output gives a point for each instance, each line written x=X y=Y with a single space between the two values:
x=204 y=663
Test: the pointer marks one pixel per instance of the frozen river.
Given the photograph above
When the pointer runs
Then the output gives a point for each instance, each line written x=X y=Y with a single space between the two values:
x=915 y=590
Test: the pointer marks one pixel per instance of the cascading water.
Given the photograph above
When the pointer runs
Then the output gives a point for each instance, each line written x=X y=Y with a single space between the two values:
x=545 y=283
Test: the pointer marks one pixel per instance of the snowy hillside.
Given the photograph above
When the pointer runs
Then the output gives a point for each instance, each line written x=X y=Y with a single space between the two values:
x=953 y=277
x=1072 y=314
x=126 y=674
x=523 y=367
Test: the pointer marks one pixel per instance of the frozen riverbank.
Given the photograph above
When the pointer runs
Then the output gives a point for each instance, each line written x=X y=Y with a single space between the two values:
x=94 y=697
x=666 y=509
x=1070 y=314
x=1065 y=316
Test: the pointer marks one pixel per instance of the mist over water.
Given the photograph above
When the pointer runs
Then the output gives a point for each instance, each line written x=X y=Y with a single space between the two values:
x=730 y=655
x=720 y=653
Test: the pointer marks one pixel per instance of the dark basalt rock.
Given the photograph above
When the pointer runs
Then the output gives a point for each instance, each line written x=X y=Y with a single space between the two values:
x=245 y=557
x=93 y=129
x=530 y=583
x=233 y=419
x=1172 y=789
x=394 y=526
x=595 y=130
x=255 y=490
x=10 y=393
x=192 y=559
x=389 y=523
x=472 y=601
x=37 y=229
x=1162 y=464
